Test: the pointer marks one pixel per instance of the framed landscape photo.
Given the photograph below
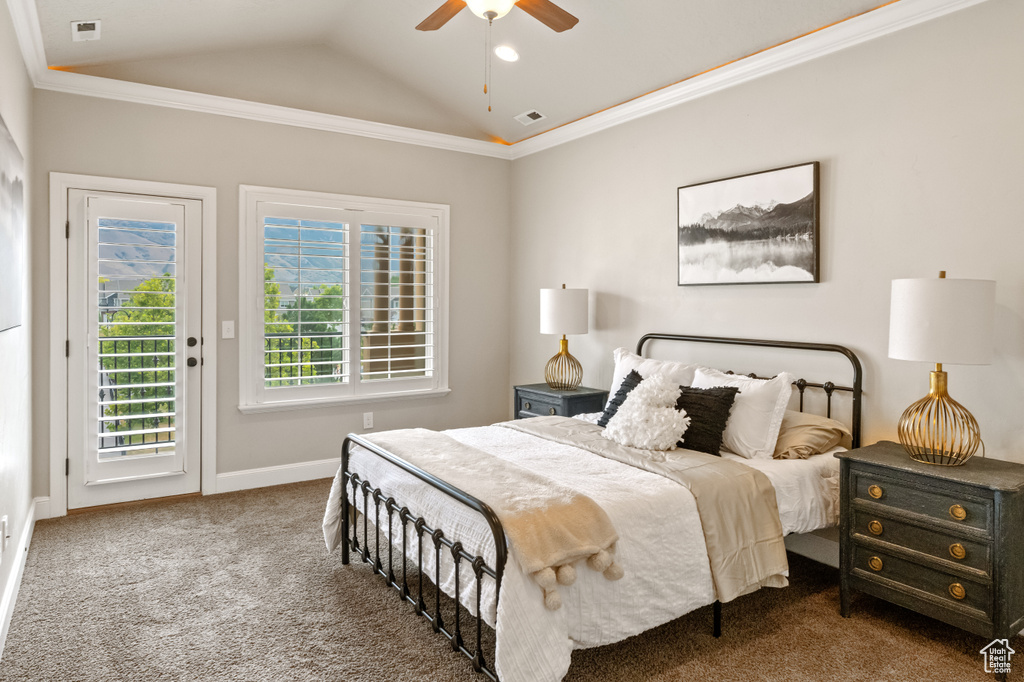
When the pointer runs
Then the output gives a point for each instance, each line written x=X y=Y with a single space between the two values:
x=750 y=229
x=12 y=231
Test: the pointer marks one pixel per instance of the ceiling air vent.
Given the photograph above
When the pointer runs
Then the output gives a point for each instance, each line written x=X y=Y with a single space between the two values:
x=85 y=30
x=530 y=117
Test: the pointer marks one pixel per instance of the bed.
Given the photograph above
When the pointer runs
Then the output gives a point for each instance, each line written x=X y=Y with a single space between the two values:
x=408 y=524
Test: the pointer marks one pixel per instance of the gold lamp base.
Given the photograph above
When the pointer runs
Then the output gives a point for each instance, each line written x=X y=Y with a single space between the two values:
x=937 y=429
x=563 y=372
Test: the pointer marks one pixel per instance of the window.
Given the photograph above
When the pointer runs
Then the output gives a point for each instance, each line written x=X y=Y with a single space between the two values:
x=342 y=299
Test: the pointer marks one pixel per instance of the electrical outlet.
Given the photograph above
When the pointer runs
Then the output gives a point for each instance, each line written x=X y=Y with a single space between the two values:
x=5 y=535
x=367 y=420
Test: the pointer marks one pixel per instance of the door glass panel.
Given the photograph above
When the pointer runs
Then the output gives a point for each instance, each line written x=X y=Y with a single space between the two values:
x=135 y=335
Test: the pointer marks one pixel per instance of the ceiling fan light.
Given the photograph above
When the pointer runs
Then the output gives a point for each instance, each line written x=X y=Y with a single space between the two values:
x=482 y=7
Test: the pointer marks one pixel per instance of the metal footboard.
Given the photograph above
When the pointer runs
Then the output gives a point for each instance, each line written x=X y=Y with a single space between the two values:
x=360 y=487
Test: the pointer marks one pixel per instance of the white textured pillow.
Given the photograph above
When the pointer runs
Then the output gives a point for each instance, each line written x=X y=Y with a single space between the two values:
x=626 y=361
x=648 y=418
x=753 y=426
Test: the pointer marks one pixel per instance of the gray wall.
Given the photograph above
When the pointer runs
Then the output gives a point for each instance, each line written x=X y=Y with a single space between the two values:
x=15 y=344
x=921 y=145
x=93 y=136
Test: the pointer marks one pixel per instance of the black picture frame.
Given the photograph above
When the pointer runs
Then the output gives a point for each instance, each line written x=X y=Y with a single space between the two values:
x=757 y=228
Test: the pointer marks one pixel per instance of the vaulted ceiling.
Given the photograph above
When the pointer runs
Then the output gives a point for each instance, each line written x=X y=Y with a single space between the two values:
x=364 y=59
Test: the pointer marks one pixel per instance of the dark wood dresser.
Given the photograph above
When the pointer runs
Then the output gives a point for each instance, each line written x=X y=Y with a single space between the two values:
x=947 y=542
x=540 y=400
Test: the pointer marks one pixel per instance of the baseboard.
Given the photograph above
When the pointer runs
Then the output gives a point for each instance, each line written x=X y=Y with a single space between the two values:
x=821 y=549
x=10 y=589
x=42 y=505
x=277 y=475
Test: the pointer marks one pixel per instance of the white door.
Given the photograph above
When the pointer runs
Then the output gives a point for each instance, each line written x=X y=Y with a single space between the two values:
x=135 y=347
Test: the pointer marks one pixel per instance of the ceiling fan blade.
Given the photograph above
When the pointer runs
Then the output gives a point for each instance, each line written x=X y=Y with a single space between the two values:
x=441 y=15
x=549 y=14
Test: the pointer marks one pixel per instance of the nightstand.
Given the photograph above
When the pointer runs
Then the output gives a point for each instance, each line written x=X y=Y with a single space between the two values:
x=538 y=400
x=946 y=542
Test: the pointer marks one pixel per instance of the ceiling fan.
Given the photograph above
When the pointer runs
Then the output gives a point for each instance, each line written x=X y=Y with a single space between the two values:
x=544 y=11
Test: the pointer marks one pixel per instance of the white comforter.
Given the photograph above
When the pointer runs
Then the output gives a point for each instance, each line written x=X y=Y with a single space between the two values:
x=661 y=546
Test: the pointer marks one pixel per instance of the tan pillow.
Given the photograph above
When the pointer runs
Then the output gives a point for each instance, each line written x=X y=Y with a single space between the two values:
x=803 y=434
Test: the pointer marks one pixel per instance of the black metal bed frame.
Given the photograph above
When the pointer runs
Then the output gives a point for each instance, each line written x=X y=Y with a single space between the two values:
x=361 y=487
x=801 y=386
x=479 y=564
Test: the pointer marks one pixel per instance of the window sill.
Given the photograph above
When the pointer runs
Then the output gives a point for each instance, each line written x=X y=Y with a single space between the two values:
x=285 y=405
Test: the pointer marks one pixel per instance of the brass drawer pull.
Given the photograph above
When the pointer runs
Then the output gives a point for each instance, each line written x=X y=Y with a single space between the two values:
x=875 y=526
x=876 y=564
x=526 y=405
x=552 y=411
x=958 y=512
x=874 y=491
x=957 y=591
x=957 y=551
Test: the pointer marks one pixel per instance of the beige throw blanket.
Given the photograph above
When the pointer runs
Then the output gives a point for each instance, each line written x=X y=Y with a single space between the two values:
x=550 y=527
x=736 y=504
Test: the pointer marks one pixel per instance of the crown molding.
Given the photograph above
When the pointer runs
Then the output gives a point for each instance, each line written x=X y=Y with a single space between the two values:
x=30 y=37
x=897 y=15
x=139 y=93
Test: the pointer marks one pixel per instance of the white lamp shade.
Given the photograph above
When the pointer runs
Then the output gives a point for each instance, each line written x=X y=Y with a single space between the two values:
x=942 y=320
x=563 y=311
x=499 y=7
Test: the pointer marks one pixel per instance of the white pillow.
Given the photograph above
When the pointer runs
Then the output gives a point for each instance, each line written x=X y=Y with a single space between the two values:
x=648 y=418
x=753 y=426
x=626 y=361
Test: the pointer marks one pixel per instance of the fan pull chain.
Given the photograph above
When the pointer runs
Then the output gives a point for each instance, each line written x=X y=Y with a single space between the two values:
x=487 y=63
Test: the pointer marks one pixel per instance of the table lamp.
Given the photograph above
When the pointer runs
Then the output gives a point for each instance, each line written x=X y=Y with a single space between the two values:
x=941 y=321
x=563 y=311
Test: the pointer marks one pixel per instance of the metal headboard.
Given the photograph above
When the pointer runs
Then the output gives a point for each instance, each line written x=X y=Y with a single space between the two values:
x=801 y=384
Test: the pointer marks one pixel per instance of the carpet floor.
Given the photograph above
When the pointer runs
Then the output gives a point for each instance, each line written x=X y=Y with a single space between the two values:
x=239 y=587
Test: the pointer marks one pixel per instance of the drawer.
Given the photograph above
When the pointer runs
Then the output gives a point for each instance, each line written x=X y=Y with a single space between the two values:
x=951 y=507
x=534 y=405
x=870 y=563
x=935 y=543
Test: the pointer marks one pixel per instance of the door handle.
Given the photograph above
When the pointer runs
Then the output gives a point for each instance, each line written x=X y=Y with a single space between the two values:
x=192 y=362
x=192 y=341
